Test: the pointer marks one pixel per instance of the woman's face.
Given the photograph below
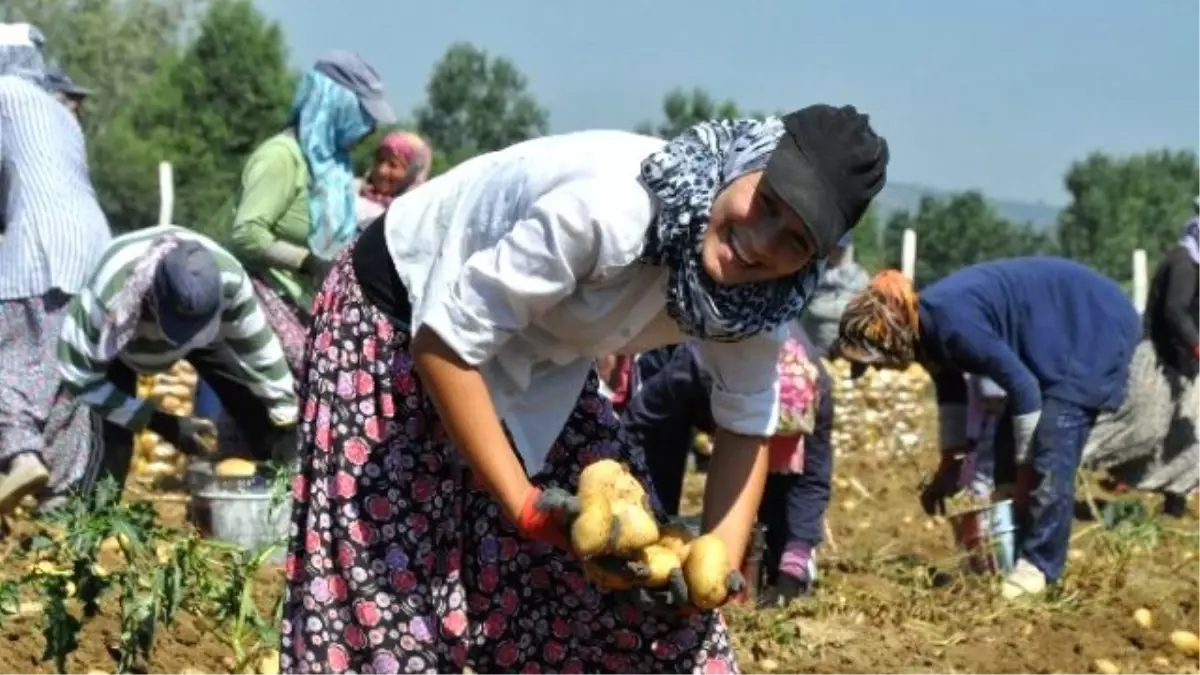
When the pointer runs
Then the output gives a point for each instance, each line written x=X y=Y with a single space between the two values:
x=388 y=174
x=753 y=235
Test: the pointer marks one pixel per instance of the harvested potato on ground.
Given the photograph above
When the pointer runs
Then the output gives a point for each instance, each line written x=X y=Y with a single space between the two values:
x=269 y=663
x=676 y=539
x=610 y=479
x=235 y=468
x=1186 y=642
x=636 y=528
x=656 y=564
x=706 y=571
x=590 y=531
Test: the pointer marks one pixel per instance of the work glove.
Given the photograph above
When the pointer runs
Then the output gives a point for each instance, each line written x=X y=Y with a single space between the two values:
x=546 y=516
x=316 y=267
x=674 y=598
x=193 y=436
x=943 y=485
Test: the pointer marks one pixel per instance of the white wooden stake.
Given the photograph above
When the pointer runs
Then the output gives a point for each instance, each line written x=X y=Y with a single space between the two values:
x=908 y=254
x=1139 y=280
x=166 y=193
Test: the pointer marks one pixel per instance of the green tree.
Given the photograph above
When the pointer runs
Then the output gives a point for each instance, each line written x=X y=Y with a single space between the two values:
x=1119 y=204
x=682 y=109
x=958 y=231
x=114 y=47
x=474 y=104
x=868 y=242
x=207 y=111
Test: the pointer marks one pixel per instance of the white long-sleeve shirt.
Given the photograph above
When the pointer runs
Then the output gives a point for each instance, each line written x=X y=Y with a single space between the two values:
x=525 y=261
x=54 y=230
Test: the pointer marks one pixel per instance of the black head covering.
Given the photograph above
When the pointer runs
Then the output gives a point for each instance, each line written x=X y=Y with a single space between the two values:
x=828 y=166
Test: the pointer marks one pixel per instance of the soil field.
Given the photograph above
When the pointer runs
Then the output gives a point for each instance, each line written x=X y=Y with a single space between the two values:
x=877 y=608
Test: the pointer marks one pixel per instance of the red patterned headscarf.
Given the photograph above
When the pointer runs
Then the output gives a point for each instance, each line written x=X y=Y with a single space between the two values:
x=416 y=155
x=880 y=325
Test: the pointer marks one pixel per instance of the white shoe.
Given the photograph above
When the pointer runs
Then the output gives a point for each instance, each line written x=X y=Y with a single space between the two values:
x=1023 y=580
x=25 y=476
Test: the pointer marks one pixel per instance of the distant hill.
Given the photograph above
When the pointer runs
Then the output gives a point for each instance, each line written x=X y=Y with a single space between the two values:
x=907 y=196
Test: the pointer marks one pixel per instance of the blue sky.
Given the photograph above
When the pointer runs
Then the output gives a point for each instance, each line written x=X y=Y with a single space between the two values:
x=991 y=95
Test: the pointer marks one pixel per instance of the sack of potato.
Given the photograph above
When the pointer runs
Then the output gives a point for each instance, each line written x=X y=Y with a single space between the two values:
x=173 y=391
x=624 y=547
x=884 y=411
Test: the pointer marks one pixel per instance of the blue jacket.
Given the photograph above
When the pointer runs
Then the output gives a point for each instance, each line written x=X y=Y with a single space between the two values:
x=1038 y=327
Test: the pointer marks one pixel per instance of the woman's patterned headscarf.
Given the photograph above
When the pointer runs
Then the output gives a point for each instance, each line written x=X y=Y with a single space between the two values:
x=880 y=325
x=417 y=157
x=329 y=121
x=686 y=176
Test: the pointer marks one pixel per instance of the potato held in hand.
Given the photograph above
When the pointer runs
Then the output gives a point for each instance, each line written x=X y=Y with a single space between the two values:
x=706 y=571
x=591 y=530
x=609 y=479
x=656 y=562
x=635 y=528
x=677 y=539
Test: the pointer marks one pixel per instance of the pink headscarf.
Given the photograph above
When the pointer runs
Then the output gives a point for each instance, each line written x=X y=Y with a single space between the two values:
x=417 y=157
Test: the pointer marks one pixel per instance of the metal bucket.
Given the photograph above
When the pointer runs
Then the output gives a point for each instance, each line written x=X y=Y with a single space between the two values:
x=238 y=511
x=752 y=567
x=988 y=536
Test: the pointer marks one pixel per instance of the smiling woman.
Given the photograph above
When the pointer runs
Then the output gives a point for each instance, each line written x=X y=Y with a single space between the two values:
x=450 y=402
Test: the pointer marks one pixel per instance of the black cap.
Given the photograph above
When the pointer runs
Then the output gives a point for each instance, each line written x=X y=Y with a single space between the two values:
x=828 y=166
x=187 y=292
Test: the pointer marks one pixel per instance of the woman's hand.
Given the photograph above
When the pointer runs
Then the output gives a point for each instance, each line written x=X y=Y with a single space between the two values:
x=737 y=474
x=944 y=483
x=469 y=415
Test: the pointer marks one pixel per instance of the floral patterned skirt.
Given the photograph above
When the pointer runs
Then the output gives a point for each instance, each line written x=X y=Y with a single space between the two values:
x=400 y=560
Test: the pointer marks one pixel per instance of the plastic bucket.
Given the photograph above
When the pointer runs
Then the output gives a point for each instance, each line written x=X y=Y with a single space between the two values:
x=238 y=511
x=988 y=536
x=752 y=567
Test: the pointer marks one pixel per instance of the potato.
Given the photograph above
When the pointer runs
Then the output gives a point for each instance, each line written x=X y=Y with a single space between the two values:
x=676 y=539
x=1105 y=666
x=1186 y=642
x=658 y=563
x=1143 y=618
x=590 y=531
x=609 y=479
x=636 y=528
x=706 y=571
x=235 y=468
x=607 y=578
x=162 y=451
x=269 y=663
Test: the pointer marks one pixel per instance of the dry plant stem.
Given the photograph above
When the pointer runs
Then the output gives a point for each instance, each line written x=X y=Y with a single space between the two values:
x=737 y=474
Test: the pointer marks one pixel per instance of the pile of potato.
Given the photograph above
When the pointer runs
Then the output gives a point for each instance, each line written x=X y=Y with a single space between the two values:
x=174 y=392
x=884 y=411
x=615 y=523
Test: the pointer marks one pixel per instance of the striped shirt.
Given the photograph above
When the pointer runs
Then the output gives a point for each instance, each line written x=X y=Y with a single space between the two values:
x=54 y=230
x=239 y=343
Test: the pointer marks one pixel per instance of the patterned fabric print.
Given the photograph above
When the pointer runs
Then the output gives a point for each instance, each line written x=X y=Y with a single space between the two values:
x=1151 y=441
x=880 y=325
x=125 y=309
x=401 y=562
x=686 y=176
x=329 y=119
x=284 y=319
x=36 y=413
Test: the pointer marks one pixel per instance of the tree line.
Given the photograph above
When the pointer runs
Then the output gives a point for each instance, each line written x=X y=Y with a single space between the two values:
x=200 y=83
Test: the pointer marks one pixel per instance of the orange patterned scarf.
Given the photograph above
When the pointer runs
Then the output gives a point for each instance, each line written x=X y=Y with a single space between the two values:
x=880 y=325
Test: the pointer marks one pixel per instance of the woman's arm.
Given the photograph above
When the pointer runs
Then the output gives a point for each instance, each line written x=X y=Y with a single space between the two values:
x=469 y=415
x=737 y=474
x=84 y=370
x=268 y=186
x=498 y=293
x=745 y=407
